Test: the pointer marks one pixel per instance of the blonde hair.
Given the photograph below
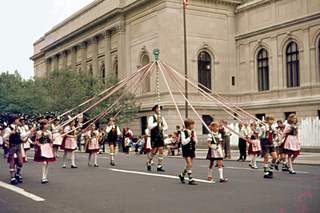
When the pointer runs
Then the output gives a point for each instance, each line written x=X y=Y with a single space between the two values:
x=269 y=117
x=290 y=118
x=42 y=123
x=213 y=124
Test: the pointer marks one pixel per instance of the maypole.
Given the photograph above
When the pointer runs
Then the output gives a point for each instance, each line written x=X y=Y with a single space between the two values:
x=185 y=3
x=156 y=53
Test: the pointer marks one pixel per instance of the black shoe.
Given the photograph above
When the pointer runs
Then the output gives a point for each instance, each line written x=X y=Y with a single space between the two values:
x=292 y=171
x=89 y=164
x=112 y=164
x=271 y=173
x=216 y=165
x=96 y=165
x=268 y=176
x=18 y=178
x=182 y=178
x=148 y=166
x=14 y=181
x=285 y=168
x=160 y=169
x=223 y=180
x=192 y=182
x=44 y=181
x=276 y=167
x=74 y=166
x=222 y=165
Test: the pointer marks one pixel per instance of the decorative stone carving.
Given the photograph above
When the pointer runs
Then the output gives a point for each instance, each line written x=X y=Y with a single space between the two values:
x=205 y=45
x=94 y=40
x=102 y=62
x=289 y=34
x=106 y=34
x=120 y=28
x=73 y=49
x=83 y=45
x=55 y=58
x=259 y=42
x=90 y=66
x=143 y=48
x=47 y=61
x=115 y=58
x=64 y=54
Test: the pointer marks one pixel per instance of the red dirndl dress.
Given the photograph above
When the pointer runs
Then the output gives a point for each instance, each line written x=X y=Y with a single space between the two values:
x=44 y=152
x=93 y=144
x=69 y=144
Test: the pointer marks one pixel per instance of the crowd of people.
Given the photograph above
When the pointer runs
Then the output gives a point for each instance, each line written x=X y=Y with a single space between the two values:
x=49 y=134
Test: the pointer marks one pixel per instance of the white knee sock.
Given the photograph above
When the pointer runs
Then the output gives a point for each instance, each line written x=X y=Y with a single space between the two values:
x=47 y=169
x=221 y=173
x=209 y=172
x=290 y=162
x=72 y=158
x=254 y=161
x=65 y=157
x=43 y=169
x=95 y=158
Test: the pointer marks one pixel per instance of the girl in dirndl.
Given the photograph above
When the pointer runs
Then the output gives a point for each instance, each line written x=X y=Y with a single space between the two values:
x=44 y=152
x=56 y=134
x=69 y=144
x=215 y=151
x=92 y=146
x=291 y=145
x=254 y=146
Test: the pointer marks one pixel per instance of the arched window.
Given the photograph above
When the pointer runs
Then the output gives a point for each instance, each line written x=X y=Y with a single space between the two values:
x=90 y=72
x=115 y=69
x=319 y=59
x=204 y=69
x=292 y=56
x=103 y=75
x=146 y=83
x=263 y=70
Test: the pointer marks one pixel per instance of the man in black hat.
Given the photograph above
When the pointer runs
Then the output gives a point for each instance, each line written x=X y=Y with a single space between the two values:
x=156 y=124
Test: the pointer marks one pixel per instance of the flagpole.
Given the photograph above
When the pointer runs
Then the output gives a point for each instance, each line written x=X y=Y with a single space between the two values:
x=185 y=55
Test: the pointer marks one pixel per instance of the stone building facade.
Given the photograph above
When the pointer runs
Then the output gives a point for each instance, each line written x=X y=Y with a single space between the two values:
x=262 y=55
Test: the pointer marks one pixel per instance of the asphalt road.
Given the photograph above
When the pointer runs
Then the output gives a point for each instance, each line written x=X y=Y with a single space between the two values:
x=129 y=187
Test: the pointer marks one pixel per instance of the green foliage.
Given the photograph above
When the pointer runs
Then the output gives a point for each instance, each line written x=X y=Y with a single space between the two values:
x=60 y=91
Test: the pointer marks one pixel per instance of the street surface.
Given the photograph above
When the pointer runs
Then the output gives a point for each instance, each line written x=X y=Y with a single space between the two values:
x=129 y=187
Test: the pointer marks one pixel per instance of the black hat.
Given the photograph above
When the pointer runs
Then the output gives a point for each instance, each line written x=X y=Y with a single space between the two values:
x=155 y=107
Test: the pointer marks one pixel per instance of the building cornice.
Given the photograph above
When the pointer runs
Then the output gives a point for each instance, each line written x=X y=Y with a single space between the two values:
x=36 y=56
x=251 y=4
x=278 y=26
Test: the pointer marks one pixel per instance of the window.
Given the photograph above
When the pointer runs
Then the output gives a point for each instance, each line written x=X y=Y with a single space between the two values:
x=292 y=56
x=146 y=83
x=286 y=115
x=90 y=72
x=103 y=75
x=233 y=80
x=115 y=69
x=319 y=114
x=207 y=119
x=204 y=70
x=261 y=116
x=143 y=124
x=263 y=70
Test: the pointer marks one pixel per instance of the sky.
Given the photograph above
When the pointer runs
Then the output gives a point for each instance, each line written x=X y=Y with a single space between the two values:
x=23 y=22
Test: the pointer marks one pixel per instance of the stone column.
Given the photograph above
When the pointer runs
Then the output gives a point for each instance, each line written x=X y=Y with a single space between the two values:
x=107 y=56
x=95 y=65
x=121 y=33
x=304 y=72
x=73 y=51
x=55 y=62
x=64 y=60
x=47 y=65
x=83 y=48
x=273 y=64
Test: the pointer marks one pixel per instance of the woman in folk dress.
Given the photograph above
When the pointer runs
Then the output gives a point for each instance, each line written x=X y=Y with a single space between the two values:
x=92 y=146
x=69 y=144
x=44 y=152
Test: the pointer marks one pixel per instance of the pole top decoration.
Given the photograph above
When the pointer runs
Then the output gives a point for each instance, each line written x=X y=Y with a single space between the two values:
x=156 y=53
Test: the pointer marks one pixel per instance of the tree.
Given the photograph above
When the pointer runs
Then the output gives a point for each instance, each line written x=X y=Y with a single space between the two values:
x=60 y=91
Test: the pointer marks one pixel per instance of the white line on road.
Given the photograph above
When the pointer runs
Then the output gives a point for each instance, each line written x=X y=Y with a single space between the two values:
x=21 y=191
x=158 y=175
x=228 y=167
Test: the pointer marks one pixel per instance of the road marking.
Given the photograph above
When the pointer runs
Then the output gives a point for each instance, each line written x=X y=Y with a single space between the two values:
x=21 y=191
x=229 y=167
x=158 y=175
